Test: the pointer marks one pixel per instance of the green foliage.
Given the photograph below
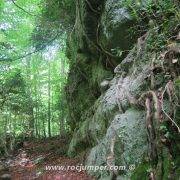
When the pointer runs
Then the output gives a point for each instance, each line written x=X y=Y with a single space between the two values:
x=14 y=80
x=60 y=11
x=16 y=28
x=141 y=171
x=177 y=82
x=1 y=5
x=161 y=18
x=58 y=16
x=33 y=70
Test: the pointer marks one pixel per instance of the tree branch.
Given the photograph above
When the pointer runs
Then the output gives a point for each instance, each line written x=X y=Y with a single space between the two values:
x=33 y=52
x=22 y=8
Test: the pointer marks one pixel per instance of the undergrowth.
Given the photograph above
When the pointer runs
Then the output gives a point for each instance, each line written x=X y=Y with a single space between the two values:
x=159 y=17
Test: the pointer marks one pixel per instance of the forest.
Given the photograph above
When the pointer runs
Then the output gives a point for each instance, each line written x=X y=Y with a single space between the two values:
x=90 y=89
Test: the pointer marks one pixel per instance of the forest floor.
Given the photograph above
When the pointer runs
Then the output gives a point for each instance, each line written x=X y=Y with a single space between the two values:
x=43 y=160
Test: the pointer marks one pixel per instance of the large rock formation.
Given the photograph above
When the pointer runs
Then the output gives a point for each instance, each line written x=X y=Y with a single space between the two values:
x=105 y=92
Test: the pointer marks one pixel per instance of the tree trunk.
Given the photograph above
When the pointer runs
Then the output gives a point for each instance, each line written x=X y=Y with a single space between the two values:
x=49 y=100
x=62 y=123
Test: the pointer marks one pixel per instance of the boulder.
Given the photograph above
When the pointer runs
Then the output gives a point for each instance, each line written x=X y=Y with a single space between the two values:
x=116 y=21
x=130 y=145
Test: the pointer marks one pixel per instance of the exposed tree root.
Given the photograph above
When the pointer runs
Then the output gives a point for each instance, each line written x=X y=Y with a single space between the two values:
x=169 y=88
x=156 y=98
x=111 y=160
x=151 y=131
x=152 y=176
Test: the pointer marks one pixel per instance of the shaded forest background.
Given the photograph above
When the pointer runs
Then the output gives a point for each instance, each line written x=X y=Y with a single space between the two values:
x=33 y=72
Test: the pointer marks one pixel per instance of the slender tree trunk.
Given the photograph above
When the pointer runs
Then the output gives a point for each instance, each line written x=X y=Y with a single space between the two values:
x=49 y=100
x=37 y=106
x=29 y=91
x=31 y=122
x=5 y=136
x=36 y=123
x=11 y=133
x=62 y=124
x=44 y=128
